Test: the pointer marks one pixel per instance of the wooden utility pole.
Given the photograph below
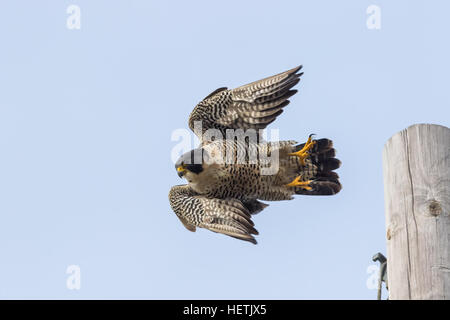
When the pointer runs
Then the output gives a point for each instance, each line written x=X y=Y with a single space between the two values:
x=416 y=167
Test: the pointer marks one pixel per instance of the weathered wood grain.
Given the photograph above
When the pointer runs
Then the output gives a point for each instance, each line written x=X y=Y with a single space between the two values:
x=416 y=168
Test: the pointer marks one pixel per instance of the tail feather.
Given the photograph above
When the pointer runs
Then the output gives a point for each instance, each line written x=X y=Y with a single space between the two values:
x=328 y=164
x=325 y=181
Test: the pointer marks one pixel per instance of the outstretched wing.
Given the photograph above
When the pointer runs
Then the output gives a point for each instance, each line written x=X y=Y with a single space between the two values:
x=252 y=106
x=229 y=217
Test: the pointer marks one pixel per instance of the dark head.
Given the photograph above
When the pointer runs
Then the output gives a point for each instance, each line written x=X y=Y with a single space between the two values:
x=190 y=162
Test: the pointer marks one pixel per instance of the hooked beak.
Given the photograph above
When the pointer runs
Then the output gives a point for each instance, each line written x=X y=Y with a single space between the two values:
x=181 y=170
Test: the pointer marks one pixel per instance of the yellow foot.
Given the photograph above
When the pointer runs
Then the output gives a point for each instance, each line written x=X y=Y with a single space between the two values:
x=304 y=152
x=298 y=183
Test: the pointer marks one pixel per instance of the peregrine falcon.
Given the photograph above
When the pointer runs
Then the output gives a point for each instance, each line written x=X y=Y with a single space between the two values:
x=225 y=188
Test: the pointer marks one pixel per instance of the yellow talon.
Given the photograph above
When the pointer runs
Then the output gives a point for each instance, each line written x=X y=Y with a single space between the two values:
x=304 y=152
x=298 y=183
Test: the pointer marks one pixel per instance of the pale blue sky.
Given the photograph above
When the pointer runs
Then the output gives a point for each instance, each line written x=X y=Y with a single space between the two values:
x=86 y=118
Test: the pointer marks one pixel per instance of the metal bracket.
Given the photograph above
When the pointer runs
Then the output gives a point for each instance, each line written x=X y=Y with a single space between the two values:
x=383 y=277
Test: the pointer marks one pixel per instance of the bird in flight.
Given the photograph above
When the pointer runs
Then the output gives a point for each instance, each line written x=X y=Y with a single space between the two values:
x=233 y=168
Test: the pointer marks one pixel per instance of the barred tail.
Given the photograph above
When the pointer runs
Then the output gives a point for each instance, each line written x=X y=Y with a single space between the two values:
x=325 y=181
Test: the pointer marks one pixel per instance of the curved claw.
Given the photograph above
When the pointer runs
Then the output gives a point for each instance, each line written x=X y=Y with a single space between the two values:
x=304 y=152
x=302 y=184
